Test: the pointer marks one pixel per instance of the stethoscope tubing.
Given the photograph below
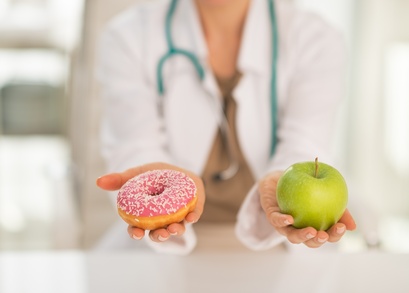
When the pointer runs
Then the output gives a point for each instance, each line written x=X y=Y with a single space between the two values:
x=172 y=51
x=273 y=83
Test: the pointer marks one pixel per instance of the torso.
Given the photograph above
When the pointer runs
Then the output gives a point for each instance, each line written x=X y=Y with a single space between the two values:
x=224 y=197
x=223 y=56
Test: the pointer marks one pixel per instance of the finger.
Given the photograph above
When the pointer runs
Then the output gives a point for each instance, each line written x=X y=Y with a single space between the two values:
x=159 y=235
x=318 y=240
x=297 y=236
x=279 y=220
x=110 y=181
x=176 y=229
x=267 y=189
x=336 y=232
x=348 y=220
x=192 y=217
x=114 y=181
x=136 y=233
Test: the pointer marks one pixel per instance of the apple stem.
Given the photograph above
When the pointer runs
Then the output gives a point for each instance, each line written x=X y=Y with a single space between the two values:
x=316 y=167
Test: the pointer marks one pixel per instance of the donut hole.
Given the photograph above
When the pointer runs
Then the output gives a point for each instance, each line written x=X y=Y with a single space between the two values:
x=156 y=190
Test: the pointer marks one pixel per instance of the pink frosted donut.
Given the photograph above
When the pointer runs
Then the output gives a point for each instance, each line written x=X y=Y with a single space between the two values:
x=157 y=198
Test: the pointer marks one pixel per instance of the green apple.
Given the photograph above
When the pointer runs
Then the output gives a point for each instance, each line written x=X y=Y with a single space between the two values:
x=314 y=193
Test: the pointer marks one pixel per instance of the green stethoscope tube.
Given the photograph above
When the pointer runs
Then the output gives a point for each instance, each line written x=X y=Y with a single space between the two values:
x=273 y=83
x=172 y=51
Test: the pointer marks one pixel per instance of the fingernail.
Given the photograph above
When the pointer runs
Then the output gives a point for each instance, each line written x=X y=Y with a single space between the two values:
x=173 y=233
x=191 y=221
x=322 y=240
x=309 y=236
x=340 y=230
x=160 y=238
x=287 y=222
x=136 y=237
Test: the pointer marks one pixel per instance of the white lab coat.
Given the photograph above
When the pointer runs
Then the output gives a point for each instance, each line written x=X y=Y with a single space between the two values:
x=310 y=81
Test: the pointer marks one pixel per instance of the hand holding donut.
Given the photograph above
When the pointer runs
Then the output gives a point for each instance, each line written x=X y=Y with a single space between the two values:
x=128 y=182
x=283 y=223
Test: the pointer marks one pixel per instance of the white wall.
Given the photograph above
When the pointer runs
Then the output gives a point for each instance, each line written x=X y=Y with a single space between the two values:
x=380 y=25
x=337 y=12
x=98 y=212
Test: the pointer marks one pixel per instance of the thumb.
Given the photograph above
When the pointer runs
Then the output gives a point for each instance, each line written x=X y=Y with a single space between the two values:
x=110 y=182
x=267 y=189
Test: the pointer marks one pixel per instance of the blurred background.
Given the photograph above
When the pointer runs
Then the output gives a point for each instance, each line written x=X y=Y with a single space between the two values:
x=49 y=122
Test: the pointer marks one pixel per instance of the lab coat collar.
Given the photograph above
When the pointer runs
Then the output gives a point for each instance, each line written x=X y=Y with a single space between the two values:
x=199 y=41
x=199 y=46
x=256 y=39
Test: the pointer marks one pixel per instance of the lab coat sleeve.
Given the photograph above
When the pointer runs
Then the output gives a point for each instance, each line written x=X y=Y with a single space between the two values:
x=306 y=117
x=132 y=127
x=132 y=130
x=252 y=227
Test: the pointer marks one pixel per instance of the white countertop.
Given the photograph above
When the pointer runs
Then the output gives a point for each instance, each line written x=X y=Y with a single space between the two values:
x=203 y=271
x=220 y=263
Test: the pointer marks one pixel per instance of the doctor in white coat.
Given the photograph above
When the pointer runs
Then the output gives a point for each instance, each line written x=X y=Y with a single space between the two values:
x=292 y=75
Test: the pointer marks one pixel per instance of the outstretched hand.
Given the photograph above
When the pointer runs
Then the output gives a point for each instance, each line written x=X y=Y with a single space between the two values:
x=283 y=222
x=114 y=181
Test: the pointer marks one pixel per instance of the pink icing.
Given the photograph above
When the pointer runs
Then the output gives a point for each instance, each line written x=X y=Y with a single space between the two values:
x=157 y=192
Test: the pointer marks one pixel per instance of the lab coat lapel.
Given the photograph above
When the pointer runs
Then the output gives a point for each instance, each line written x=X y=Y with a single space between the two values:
x=200 y=48
x=188 y=35
x=252 y=93
x=256 y=44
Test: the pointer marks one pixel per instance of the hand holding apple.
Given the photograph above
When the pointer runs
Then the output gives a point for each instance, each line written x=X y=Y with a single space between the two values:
x=314 y=193
x=282 y=223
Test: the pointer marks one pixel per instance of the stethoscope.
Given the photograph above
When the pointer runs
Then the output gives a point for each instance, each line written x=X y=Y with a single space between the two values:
x=173 y=51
